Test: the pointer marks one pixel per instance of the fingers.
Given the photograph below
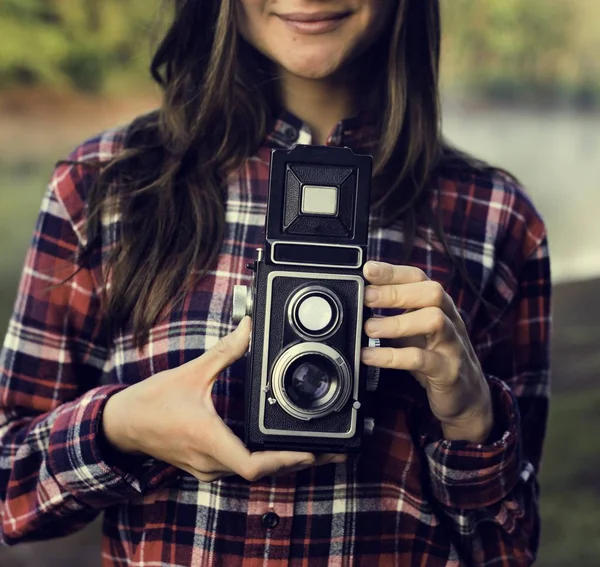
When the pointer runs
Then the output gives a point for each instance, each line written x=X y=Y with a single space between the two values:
x=408 y=296
x=320 y=460
x=328 y=458
x=416 y=295
x=410 y=358
x=380 y=273
x=229 y=349
x=231 y=452
x=267 y=463
x=430 y=321
x=202 y=476
x=217 y=471
x=224 y=454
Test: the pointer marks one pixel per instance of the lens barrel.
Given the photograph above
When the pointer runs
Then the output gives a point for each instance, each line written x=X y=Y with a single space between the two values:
x=311 y=380
x=315 y=312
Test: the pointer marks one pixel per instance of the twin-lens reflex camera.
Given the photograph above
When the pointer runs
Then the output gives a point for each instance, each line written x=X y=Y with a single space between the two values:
x=306 y=387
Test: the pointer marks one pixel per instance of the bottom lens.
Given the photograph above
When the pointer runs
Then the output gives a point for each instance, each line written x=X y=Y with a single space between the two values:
x=309 y=379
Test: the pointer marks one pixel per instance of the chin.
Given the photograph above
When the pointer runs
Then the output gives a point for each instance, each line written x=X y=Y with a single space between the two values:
x=313 y=68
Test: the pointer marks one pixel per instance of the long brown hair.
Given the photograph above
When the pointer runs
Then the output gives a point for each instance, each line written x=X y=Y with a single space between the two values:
x=219 y=96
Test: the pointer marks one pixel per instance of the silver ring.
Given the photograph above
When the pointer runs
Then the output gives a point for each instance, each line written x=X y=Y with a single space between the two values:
x=339 y=390
x=319 y=291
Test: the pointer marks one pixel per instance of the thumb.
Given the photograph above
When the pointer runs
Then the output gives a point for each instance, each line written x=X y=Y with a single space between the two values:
x=230 y=348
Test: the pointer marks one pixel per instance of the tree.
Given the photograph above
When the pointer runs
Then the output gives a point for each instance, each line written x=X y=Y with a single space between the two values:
x=510 y=42
x=73 y=43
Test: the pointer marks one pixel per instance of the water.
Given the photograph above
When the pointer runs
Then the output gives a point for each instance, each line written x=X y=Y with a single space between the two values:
x=556 y=154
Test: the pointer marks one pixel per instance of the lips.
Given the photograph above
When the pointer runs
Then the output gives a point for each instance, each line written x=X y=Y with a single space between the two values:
x=315 y=17
x=314 y=24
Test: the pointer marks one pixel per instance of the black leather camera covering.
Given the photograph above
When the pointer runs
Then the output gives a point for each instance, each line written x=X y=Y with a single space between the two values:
x=340 y=167
x=281 y=334
x=337 y=242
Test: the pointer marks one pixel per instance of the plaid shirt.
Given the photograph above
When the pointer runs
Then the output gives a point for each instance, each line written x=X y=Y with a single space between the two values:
x=411 y=498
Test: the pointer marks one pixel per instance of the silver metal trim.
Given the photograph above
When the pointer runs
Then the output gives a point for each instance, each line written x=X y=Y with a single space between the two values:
x=241 y=294
x=276 y=242
x=338 y=394
x=292 y=312
x=369 y=426
x=265 y=356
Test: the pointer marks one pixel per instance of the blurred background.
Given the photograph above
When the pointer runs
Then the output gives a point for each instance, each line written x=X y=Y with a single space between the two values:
x=521 y=88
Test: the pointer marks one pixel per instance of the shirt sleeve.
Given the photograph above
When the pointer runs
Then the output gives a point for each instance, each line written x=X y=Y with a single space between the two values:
x=54 y=475
x=489 y=492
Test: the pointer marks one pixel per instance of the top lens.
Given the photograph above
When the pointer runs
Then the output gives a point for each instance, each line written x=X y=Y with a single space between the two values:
x=315 y=312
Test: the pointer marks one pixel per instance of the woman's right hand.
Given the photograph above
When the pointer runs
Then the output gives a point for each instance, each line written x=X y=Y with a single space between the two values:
x=171 y=417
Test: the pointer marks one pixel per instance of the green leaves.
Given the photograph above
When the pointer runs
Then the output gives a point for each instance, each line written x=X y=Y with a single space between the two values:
x=511 y=46
x=73 y=43
x=495 y=46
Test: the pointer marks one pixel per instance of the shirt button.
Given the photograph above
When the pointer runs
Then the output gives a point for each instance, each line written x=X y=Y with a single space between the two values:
x=290 y=132
x=270 y=520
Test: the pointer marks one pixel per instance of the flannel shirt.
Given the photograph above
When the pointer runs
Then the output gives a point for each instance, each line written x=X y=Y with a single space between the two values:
x=411 y=498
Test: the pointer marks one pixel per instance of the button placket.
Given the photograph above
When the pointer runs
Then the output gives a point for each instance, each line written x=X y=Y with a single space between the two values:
x=270 y=517
x=270 y=520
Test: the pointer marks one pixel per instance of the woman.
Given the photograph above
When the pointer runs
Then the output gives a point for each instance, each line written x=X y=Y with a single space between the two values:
x=117 y=395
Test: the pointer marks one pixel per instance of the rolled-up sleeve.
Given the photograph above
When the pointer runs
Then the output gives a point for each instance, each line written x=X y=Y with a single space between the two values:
x=489 y=492
x=53 y=475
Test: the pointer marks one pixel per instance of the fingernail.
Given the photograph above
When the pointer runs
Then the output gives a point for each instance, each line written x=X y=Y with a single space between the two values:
x=368 y=354
x=372 y=295
x=374 y=268
x=339 y=459
x=372 y=326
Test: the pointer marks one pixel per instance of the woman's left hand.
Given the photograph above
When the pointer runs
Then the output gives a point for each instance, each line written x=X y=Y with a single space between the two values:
x=429 y=340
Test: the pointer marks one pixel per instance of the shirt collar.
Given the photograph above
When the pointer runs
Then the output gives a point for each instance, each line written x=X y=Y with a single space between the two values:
x=356 y=132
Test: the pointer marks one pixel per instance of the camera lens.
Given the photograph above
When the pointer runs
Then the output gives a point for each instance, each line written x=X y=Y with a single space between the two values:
x=308 y=380
x=311 y=380
x=315 y=312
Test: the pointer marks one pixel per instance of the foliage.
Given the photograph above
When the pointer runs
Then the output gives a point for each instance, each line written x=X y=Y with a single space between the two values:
x=72 y=43
x=501 y=47
x=511 y=47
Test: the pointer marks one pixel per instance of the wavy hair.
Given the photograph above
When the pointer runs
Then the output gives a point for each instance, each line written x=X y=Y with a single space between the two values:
x=219 y=96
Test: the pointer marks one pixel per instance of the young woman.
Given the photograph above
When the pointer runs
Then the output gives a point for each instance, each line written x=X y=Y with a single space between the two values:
x=118 y=394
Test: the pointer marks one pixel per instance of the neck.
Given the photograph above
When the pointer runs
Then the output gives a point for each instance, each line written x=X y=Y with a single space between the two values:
x=319 y=104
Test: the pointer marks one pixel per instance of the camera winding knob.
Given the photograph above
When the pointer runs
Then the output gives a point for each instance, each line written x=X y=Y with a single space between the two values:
x=372 y=371
x=242 y=303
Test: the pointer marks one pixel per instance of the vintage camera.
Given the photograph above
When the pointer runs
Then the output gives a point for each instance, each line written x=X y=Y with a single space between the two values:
x=306 y=387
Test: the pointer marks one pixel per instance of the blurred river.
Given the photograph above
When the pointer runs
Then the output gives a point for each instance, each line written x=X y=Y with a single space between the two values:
x=556 y=155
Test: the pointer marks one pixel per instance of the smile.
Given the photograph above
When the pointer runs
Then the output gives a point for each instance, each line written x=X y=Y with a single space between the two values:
x=320 y=22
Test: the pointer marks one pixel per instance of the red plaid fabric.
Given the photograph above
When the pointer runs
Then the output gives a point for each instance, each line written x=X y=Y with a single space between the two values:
x=411 y=498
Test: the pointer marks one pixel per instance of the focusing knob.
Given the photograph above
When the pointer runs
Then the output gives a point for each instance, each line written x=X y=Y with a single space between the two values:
x=373 y=371
x=242 y=303
x=369 y=426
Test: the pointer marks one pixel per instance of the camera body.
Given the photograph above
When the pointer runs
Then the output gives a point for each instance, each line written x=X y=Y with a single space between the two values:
x=306 y=387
